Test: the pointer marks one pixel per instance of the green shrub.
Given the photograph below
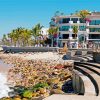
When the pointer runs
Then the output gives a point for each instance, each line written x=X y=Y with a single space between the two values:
x=27 y=94
x=40 y=85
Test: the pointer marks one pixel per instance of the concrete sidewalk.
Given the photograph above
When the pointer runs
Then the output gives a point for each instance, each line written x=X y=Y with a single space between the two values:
x=71 y=97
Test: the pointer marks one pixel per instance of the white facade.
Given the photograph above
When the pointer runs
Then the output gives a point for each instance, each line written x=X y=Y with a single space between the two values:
x=44 y=31
x=89 y=30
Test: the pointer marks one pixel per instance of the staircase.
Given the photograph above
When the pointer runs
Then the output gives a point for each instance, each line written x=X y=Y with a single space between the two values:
x=90 y=75
x=91 y=72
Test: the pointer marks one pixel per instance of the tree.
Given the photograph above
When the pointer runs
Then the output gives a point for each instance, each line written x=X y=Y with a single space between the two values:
x=26 y=37
x=36 y=31
x=22 y=36
x=18 y=32
x=75 y=30
x=83 y=15
x=4 y=39
x=52 y=31
x=13 y=38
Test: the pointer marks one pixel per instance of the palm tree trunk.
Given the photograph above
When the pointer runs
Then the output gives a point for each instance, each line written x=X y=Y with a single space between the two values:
x=75 y=36
x=52 y=41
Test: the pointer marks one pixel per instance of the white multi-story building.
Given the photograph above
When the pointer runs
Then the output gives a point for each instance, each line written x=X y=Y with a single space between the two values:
x=44 y=33
x=88 y=30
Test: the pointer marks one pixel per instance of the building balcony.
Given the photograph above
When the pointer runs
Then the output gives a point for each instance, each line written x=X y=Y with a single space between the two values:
x=64 y=24
x=71 y=23
x=68 y=32
x=93 y=39
x=64 y=32
x=94 y=32
x=73 y=39
x=80 y=32
x=93 y=26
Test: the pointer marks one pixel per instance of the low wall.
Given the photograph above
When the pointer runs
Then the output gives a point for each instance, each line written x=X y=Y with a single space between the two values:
x=78 y=84
x=29 y=49
x=96 y=57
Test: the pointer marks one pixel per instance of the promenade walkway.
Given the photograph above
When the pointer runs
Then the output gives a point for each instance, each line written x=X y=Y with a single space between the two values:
x=71 y=97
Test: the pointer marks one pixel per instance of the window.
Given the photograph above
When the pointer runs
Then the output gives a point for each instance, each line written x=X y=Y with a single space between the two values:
x=82 y=28
x=65 y=36
x=94 y=36
x=95 y=22
x=65 y=20
x=82 y=21
x=74 y=20
x=64 y=28
x=94 y=29
x=73 y=35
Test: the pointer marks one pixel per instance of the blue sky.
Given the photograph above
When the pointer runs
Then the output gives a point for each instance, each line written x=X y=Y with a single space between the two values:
x=27 y=13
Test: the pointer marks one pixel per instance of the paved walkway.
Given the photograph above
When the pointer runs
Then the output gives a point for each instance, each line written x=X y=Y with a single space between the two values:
x=71 y=97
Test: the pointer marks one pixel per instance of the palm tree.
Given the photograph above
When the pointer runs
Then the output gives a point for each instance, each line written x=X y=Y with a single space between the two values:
x=20 y=36
x=52 y=31
x=26 y=36
x=12 y=37
x=75 y=30
x=36 y=31
x=4 y=39
x=83 y=15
